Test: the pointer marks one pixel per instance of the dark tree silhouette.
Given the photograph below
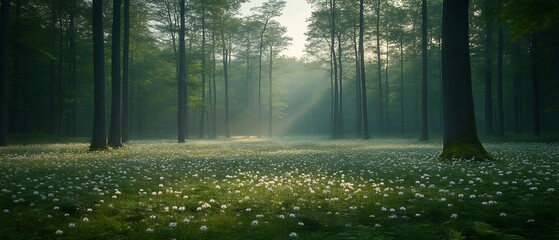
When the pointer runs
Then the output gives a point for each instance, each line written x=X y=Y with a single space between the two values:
x=488 y=77
x=4 y=72
x=182 y=77
x=460 y=134
x=114 y=132
x=125 y=72
x=424 y=82
x=98 y=141
x=500 y=104
x=365 y=121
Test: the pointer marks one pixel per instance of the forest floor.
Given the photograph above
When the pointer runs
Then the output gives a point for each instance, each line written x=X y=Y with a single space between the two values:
x=277 y=189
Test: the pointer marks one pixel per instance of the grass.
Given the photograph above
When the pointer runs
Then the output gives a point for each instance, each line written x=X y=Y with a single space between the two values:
x=277 y=189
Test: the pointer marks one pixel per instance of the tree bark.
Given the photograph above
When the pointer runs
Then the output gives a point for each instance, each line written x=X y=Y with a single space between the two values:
x=98 y=140
x=114 y=133
x=460 y=135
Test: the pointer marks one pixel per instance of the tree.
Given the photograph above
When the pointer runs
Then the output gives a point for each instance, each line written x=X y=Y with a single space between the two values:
x=204 y=71
x=98 y=141
x=424 y=82
x=182 y=77
x=488 y=77
x=460 y=139
x=379 y=69
x=126 y=72
x=276 y=40
x=365 y=120
x=114 y=132
x=266 y=12
x=500 y=104
x=4 y=72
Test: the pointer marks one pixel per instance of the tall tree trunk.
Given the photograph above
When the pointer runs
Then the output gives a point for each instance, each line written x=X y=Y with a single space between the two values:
x=214 y=90
x=125 y=73
x=59 y=85
x=258 y=124
x=203 y=100
x=359 y=116
x=401 y=85
x=114 y=133
x=335 y=118
x=460 y=134
x=226 y=83
x=52 y=83
x=73 y=72
x=387 y=87
x=516 y=78
x=488 y=78
x=98 y=140
x=363 y=99
x=182 y=77
x=14 y=113
x=424 y=82
x=379 y=72
x=341 y=103
x=247 y=88
x=270 y=109
x=4 y=27
x=534 y=54
x=500 y=107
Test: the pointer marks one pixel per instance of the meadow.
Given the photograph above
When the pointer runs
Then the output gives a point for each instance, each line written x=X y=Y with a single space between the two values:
x=278 y=189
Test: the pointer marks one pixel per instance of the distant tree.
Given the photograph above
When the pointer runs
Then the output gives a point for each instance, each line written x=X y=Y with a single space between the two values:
x=204 y=70
x=379 y=69
x=73 y=70
x=98 y=141
x=500 y=103
x=365 y=120
x=126 y=73
x=460 y=134
x=114 y=132
x=424 y=82
x=334 y=72
x=182 y=77
x=488 y=77
x=4 y=11
x=529 y=18
x=265 y=13
x=535 y=58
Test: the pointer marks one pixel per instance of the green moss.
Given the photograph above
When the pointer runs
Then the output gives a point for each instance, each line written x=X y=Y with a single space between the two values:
x=462 y=149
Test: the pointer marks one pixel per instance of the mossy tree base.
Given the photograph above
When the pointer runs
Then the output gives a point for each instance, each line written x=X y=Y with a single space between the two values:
x=465 y=150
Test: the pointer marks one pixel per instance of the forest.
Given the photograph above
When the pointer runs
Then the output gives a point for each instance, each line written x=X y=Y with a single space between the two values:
x=186 y=119
x=230 y=60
